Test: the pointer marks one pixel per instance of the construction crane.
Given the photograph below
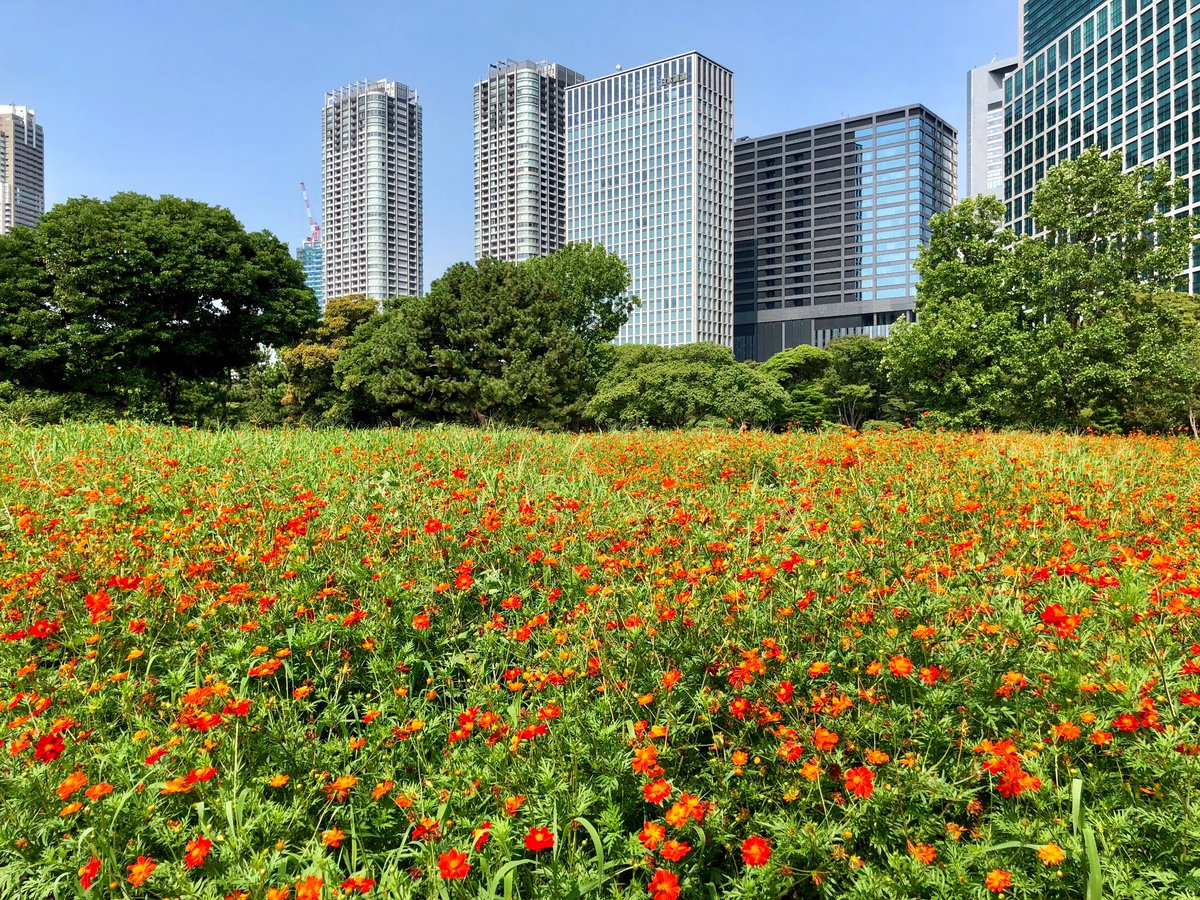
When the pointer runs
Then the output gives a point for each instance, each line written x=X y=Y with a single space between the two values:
x=314 y=236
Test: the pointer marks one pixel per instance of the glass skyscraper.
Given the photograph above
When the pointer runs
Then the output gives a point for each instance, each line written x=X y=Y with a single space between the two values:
x=650 y=177
x=521 y=160
x=371 y=191
x=1042 y=21
x=828 y=222
x=1126 y=78
x=312 y=257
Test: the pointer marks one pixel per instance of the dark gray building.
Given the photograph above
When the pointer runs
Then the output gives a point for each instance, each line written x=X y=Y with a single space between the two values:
x=827 y=224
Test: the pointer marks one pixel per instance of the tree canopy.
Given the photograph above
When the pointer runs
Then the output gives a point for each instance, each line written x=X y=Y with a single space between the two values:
x=137 y=297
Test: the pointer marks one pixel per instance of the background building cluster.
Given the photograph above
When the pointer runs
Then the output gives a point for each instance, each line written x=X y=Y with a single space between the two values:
x=759 y=243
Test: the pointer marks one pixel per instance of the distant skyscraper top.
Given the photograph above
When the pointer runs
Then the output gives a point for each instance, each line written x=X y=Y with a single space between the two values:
x=1043 y=21
x=371 y=191
x=983 y=152
x=22 y=168
x=520 y=159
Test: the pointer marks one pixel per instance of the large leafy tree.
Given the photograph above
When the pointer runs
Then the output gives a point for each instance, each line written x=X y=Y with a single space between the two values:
x=1061 y=330
x=156 y=295
x=683 y=386
x=312 y=396
x=516 y=343
x=32 y=333
x=800 y=372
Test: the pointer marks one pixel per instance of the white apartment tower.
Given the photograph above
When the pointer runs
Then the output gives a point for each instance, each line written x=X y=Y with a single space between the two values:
x=22 y=168
x=983 y=150
x=520 y=159
x=371 y=191
x=650 y=178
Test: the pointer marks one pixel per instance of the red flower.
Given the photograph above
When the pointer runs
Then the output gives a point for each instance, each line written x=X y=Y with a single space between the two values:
x=453 y=865
x=196 y=852
x=675 y=850
x=362 y=885
x=88 y=872
x=656 y=791
x=756 y=851
x=664 y=885
x=481 y=835
x=141 y=870
x=48 y=748
x=860 y=781
x=539 y=839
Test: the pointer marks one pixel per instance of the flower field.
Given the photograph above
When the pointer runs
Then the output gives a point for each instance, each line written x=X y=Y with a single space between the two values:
x=462 y=664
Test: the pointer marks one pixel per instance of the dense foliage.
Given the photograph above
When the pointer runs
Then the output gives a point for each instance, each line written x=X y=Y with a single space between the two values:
x=466 y=663
x=1076 y=328
x=145 y=307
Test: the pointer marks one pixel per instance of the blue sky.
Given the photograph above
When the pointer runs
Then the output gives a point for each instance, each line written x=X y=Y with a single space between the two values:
x=220 y=101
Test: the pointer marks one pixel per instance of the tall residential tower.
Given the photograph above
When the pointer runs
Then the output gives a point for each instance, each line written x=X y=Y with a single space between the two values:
x=22 y=168
x=650 y=177
x=828 y=222
x=371 y=191
x=520 y=160
x=983 y=155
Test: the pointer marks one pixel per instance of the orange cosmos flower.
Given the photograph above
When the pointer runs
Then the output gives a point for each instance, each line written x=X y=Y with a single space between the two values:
x=860 y=781
x=818 y=668
x=756 y=851
x=651 y=835
x=196 y=851
x=675 y=850
x=309 y=888
x=901 y=666
x=279 y=781
x=339 y=790
x=824 y=740
x=70 y=809
x=671 y=678
x=539 y=838
x=513 y=804
x=664 y=885
x=71 y=784
x=923 y=853
x=645 y=759
x=141 y=870
x=453 y=865
x=998 y=881
x=1051 y=854
x=656 y=791
x=96 y=791
x=332 y=837
x=281 y=893
x=362 y=885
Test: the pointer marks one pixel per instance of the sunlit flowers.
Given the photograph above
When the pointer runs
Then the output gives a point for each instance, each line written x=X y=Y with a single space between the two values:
x=998 y=881
x=756 y=851
x=453 y=865
x=539 y=838
x=140 y=870
x=860 y=781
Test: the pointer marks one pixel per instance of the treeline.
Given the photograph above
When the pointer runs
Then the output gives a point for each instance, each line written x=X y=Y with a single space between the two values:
x=167 y=310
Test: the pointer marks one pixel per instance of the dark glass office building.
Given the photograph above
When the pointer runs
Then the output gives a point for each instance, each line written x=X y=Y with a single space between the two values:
x=827 y=224
x=1042 y=21
x=1125 y=78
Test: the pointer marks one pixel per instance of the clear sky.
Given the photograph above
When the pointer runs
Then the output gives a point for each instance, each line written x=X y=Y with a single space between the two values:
x=220 y=100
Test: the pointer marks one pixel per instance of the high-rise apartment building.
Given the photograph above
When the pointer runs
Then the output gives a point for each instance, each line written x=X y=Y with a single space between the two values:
x=22 y=168
x=371 y=191
x=983 y=153
x=650 y=177
x=1123 y=75
x=521 y=160
x=311 y=255
x=827 y=224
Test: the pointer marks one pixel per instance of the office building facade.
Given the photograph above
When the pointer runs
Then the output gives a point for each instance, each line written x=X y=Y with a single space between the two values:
x=1126 y=78
x=312 y=257
x=650 y=177
x=827 y=224
x=372 y=191
x=22 y=168
x=521 y=160
x=983 y=142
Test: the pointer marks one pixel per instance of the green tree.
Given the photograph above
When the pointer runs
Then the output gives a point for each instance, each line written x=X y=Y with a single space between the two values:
x=33 y=339
x=855 y=385
x=1060 y=330
x=312 y=396
x=157 y=294
x=683 y=386
x=800 y=372
x=516 y=343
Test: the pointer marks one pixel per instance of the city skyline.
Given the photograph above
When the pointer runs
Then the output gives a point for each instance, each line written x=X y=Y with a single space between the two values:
x=183 y=148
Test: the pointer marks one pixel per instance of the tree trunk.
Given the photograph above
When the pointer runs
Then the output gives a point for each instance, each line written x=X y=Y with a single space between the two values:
x=1192 y=417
